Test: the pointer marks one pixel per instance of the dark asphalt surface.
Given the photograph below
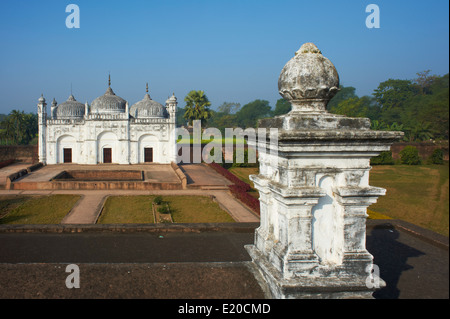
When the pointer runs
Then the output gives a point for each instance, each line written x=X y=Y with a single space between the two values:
x=192 y=265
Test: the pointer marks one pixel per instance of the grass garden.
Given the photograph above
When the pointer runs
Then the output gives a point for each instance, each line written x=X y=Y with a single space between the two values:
x=116 y=210
x=49 y=209
x=176 y=209
x=418 y=194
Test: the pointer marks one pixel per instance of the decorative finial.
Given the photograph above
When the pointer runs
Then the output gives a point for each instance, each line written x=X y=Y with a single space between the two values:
x=109 y=79
x=146 y=88
x=308 y=81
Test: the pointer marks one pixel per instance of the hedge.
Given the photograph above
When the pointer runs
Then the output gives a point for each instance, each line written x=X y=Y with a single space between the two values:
x=385 y=158
x=239 y=189
x=230 y=176
x=410 y=156
x=245 y=197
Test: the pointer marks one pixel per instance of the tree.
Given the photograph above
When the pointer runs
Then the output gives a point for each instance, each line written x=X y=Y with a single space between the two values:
x=18 y=127
x=424 y=81
x=197 y=107
x=180 y=117
x=282 y=107
x=393 y=93
x=18 y=120
x=229 y=108
x=377 y=125
x=419 y=131
x=343 y=94
x=249 y=114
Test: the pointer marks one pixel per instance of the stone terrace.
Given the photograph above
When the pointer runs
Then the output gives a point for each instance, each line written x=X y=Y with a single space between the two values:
x=155 y=176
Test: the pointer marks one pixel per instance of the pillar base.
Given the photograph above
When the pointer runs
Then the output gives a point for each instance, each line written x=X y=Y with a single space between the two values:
x=310 y=287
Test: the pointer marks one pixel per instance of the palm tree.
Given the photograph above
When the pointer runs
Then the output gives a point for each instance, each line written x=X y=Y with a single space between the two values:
x=377 y=125
x=419 y=131
x=197 y=107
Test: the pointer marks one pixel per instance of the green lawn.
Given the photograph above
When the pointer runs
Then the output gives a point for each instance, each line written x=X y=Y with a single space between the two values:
x=184 y=209
x=418 y=194
x=196 y=209
x=49 y=209
x=127 y=209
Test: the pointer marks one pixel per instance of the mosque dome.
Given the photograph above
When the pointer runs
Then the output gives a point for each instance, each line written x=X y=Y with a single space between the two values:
x=108 y=103
x=309 y=80
x=70 y=109
x=147 y=108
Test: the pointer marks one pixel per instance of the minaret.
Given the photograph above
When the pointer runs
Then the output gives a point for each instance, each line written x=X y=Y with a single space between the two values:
x=53 y=108
x=42 y=122
x=171 y=106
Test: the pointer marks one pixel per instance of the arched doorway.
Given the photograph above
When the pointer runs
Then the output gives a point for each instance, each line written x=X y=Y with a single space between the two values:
x=107 y=148
x=148 y=149
x=66 y=150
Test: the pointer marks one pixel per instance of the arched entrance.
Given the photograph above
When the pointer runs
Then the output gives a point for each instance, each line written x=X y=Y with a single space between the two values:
x=148 y=149
x=107 y=148
x=66 y=150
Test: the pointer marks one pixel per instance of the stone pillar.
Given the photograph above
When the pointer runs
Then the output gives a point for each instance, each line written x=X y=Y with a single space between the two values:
x=42 y=130
x=315 y=191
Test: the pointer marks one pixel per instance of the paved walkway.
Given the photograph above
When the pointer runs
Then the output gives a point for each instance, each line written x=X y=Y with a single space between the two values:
x=186 y=265
x=86 y=210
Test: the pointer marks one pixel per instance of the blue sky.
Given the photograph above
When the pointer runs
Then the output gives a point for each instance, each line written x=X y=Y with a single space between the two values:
x=233 y=50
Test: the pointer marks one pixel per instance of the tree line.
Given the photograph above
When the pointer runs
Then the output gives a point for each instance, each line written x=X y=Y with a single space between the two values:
x=18 y=128
x=419 y=107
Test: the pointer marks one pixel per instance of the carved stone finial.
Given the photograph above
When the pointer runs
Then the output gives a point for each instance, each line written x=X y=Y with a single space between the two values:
x=308 y=81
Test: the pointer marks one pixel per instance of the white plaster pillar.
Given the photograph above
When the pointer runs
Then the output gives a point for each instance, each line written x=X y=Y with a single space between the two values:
x=314 y=193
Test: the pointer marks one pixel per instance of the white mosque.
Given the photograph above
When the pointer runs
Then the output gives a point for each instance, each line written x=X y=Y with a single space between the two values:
x=107 y=131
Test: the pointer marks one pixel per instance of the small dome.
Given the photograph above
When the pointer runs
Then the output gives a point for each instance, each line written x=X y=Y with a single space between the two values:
x=108 y=103
x=147 y=108
x=171 y=99
x=309 y=80
x=70 y=109
x=42 y=99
